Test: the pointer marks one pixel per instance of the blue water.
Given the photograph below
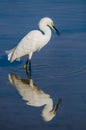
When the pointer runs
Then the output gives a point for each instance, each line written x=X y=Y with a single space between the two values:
x=59 y=69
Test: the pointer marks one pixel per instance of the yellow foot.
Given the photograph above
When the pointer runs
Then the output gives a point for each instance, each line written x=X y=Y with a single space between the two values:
x=25 y=67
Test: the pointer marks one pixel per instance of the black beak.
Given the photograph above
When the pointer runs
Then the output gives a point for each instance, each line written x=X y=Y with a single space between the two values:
x=57 y=105
x=56 y=30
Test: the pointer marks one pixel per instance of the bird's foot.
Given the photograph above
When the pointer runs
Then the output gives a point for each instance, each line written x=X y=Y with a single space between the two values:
x=28 y=73
x=25 y=67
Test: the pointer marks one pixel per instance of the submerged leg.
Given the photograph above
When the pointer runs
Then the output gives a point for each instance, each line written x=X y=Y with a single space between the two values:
x=30 y=68
x=28 y=73
x=25 y=65
x=30 y=56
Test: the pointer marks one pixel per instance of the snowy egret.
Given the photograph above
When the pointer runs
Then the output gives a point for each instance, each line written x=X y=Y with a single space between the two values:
x=32 y=42
x=35 y=97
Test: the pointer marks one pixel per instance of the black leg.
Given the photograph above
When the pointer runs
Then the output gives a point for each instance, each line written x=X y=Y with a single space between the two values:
x=25 y=66
x=30 y=68
x=28 y=73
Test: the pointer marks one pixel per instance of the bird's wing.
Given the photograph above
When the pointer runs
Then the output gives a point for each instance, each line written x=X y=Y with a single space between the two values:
x=29 y=91
x=30 y=43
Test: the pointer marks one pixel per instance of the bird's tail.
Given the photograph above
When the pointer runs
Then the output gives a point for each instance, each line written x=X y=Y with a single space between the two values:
x=10 y=54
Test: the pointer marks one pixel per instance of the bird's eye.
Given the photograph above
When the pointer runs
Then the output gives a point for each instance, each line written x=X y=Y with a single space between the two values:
x=52 y=24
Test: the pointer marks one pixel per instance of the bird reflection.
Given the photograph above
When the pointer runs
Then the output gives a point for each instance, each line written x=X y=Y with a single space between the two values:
x=34 y=96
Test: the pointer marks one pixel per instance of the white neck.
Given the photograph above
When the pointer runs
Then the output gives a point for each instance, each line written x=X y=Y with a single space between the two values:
x=46 y=30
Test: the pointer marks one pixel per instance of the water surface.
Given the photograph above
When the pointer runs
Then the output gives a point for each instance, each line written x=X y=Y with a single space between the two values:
x=58 y=70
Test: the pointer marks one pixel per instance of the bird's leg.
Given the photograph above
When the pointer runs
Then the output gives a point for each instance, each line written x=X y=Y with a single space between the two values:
x=30 y=68
x=26 y=69
x=28 y=73
x=25 y=66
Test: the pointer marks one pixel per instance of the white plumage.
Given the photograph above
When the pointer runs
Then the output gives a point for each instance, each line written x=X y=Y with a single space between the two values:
x=33 y=41
x=35 y=97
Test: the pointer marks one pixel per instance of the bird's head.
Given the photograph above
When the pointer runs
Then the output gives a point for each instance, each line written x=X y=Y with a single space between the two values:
x=49 y=115
x=49 y=22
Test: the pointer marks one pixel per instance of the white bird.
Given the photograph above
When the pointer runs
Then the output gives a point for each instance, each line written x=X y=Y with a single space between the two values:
x=33 y=41
x=33 y=96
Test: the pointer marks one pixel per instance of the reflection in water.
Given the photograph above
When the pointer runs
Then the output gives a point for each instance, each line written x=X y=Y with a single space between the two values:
x=34 y=96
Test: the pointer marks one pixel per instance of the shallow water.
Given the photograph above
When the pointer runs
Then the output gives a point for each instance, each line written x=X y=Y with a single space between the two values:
x=58 y=70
